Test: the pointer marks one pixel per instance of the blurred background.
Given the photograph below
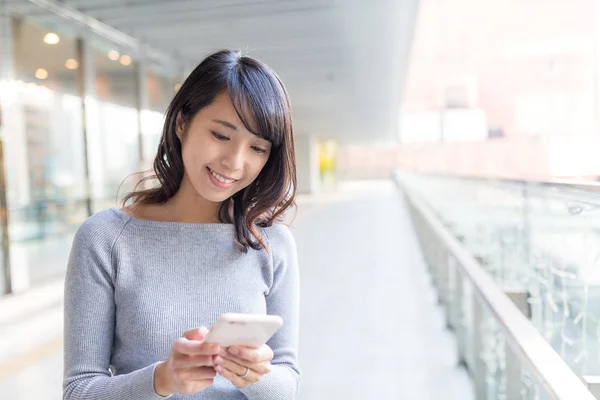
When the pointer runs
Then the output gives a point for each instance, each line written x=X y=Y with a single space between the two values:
x=447 y=165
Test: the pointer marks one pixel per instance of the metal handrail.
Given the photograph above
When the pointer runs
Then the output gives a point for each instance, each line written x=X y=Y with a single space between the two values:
x=547 y=367
x=583 y=193
x=585 y=186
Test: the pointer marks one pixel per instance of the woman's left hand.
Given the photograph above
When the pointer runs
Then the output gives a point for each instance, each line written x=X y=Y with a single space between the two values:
x=244 y=365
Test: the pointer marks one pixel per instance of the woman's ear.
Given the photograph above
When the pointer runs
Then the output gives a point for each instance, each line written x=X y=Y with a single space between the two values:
x=179 y=126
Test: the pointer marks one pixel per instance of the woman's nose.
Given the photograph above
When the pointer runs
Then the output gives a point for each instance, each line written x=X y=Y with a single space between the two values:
x=233 y=160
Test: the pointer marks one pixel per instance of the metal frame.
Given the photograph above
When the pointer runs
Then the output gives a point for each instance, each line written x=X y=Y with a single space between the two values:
x=83 y=82
x=526 y=348
x=4 y=226
x=6 y=72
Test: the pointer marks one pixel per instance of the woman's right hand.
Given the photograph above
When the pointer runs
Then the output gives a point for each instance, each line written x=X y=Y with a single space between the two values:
x=190 y=367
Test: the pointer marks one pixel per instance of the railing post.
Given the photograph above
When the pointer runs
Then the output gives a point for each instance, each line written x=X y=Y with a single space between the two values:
x=480 y=367
x=434 y=261
x=452 y=321
x=440 y=266
x=514 y=382
x=458 y=314
x=446 y=288
x=461 y=335
x=593 y=384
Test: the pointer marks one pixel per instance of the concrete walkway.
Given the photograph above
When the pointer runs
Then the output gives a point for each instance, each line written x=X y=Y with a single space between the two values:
x=370 y=325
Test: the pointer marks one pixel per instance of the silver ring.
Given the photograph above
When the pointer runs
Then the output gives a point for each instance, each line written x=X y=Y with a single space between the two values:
x=245 y=373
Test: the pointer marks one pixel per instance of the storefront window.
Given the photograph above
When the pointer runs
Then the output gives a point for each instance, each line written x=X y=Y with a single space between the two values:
x=113 y=128
x=160 y=91
x=43 y=152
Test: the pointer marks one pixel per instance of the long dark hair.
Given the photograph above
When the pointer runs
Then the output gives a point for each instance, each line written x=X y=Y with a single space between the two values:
x=258 y=96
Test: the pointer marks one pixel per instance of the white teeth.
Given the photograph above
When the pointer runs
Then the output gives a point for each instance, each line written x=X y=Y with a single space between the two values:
x=220 y=178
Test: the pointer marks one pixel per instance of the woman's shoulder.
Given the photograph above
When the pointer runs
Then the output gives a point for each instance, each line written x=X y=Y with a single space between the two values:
x=279 y=231
x=280 y=238
x=103 y=226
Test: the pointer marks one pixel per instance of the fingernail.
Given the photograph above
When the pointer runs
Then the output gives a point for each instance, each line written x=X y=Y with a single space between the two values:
x=218 y=368
x=218 y=360
x=234 y=351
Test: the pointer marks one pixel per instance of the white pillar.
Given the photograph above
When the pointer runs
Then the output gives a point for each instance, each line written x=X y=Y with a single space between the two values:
x=307 y=164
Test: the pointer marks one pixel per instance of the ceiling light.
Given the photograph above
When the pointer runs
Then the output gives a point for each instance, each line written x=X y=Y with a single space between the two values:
x=72 y=63
x=113 y=55
x=125 y=59
x=41 y=73
x=177 y=86
x=51 y=38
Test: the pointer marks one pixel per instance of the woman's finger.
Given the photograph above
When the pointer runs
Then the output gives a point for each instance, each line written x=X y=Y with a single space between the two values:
x=261 y=368
x=255 y=372
x=254 y=356
x=236 y=379
x=194 y=347
x=196 y=333
x=187 y=361
x=233 y=366
x=198 y=374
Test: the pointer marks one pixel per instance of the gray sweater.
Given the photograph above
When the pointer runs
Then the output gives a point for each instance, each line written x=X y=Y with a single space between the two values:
x=134 y=286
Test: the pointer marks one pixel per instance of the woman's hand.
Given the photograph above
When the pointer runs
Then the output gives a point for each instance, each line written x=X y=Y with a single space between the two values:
x=244 y=365
x=190 y=367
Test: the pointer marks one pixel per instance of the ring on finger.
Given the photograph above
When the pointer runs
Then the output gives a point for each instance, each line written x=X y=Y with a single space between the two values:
x=245 y=373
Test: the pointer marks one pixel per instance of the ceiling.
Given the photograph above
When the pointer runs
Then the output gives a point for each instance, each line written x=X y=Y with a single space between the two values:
x=344 y=62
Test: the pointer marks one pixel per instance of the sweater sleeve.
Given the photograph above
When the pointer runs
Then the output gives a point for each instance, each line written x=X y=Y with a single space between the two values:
x=90 y=320
x=283 y=382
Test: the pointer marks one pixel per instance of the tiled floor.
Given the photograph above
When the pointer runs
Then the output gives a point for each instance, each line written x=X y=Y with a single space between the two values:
x=370 y=325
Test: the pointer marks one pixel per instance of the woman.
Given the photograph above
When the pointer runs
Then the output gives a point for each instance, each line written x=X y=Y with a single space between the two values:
x=203 y=242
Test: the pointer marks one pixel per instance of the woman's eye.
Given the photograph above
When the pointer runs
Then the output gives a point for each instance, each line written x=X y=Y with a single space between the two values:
x=259 y=150
x=219 y=137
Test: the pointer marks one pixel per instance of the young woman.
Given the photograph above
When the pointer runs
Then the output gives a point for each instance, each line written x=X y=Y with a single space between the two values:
x=143 y=282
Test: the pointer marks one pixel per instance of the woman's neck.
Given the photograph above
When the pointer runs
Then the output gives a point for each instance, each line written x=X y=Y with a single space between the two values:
x=189 y=207
x=185 y=206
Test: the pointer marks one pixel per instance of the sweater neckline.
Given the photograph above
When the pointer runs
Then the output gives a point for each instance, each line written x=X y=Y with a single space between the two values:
x=172 y=224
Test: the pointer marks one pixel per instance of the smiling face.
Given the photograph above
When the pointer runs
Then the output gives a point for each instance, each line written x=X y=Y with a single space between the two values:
x=220 y=156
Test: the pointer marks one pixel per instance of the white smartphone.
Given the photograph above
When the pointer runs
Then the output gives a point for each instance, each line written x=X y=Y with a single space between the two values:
x=250 y=330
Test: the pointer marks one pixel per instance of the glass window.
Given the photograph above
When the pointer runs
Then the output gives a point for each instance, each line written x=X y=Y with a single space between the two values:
x=43 y=152
x=113 y=127
x=160 y=90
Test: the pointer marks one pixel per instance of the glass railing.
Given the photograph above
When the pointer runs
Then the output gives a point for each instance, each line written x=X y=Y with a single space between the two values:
x=538 y=243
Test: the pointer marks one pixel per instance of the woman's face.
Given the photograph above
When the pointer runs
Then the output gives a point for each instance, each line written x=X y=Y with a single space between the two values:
x=220 y=156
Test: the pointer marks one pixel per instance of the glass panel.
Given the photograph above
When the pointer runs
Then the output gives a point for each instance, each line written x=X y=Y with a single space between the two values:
x=536 y=237
x=113 y=128
x=160 y=91
x=564 y=245
x=43 y=149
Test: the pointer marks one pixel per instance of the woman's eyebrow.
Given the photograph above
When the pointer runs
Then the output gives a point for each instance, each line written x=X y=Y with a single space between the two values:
x=226 y=124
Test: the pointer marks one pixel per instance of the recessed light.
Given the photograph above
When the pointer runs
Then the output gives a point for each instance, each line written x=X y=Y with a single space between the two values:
x=41 y=73
x=72 y=63
x=113 y=55
x=51 y=38
x=125 y=59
